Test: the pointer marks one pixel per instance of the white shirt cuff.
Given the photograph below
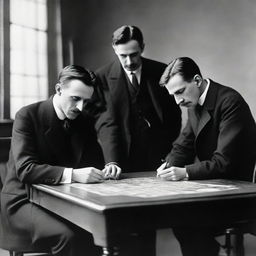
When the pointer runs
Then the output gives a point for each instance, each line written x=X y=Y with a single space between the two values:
x=67 y=176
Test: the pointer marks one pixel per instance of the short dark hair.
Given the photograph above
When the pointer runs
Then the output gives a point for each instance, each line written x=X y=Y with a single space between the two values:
x=184 y=66
x=127 y=33
x=77 y=72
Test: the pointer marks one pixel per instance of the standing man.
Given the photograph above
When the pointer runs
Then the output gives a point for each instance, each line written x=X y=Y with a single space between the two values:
x=218 y=142
x=52 y=143
x=141 y=120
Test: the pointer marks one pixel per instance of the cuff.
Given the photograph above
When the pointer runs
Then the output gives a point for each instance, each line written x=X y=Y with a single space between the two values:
x=66 y=176
x=110 y=163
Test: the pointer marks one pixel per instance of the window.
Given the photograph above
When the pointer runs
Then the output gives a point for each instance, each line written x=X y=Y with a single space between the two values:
x=28 y=53
x=27 y=74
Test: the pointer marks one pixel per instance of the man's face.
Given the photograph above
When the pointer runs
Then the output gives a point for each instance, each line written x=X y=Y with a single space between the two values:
x=129 y=55
x=72 y=97
x=186 y=94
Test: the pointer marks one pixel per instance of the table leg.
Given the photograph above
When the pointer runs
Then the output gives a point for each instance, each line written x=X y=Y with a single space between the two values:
x=110 y=251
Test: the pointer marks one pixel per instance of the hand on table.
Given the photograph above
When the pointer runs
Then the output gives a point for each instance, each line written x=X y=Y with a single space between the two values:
x=171 y=173
x=87 y=175
x=112 y=171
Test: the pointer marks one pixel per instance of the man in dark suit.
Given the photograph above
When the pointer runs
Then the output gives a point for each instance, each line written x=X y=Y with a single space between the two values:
x=219 y=141
x=141 y=120
x=50 y=150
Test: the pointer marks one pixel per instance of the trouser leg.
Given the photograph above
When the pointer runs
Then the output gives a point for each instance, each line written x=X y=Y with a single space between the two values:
x=139 y=244
x=60 y=237
x=197 y=241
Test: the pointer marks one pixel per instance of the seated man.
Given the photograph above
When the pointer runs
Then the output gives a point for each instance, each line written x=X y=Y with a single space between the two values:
x=219 y=141
x=48 y=149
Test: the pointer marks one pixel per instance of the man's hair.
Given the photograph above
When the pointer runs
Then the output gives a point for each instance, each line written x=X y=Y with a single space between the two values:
x=77 y=72
x=127 y=33
x=183 y=66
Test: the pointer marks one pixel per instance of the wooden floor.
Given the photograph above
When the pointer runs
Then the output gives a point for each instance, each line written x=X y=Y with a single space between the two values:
x=168 y=246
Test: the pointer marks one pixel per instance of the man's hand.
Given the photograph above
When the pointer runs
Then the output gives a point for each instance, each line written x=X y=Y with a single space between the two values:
x=87 y=175
x=171 y=173
x=112 y=171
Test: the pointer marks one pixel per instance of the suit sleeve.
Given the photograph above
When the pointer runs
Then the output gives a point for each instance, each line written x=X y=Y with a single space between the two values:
x=25 y=154
x=107 y=132
x=107 y=128
x=183 y=151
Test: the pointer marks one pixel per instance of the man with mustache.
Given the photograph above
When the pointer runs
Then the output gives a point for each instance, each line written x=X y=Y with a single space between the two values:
x=141 y=120
x=218 y=141
x=48 y=149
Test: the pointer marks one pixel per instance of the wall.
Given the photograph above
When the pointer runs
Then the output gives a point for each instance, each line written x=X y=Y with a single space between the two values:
x=219 y=34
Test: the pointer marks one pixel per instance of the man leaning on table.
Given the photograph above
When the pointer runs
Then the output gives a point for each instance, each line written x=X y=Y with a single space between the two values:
x=52 y=143
x=218 y=141
x=141 y=120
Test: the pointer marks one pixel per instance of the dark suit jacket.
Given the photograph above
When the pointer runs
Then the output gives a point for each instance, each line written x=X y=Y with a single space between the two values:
x=39 y=153
x=113 y=126
x=224 y=143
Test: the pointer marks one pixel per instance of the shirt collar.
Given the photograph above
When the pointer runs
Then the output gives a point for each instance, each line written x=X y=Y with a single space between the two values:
x=137 y=73
x=58 y=111
x=203 y=96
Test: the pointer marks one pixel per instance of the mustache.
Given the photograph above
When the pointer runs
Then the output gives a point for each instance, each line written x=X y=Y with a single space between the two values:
x=131 y=66
x=76 y=111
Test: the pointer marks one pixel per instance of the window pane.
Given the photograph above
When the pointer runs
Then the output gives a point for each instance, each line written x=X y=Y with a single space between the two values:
x=17 y=88
x=17 y=37
x=30 y=38
x=43 y=88
x=42 y=64
x=17 y=62
x=17 y=10
x=30 y=63
x=24 y=12
x=42 y=42
x=28 y=60
x=42 y=16
x=16 y=104
x=31 y=86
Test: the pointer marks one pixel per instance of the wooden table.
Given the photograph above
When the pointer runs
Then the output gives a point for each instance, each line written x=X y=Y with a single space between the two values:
x=137 y=204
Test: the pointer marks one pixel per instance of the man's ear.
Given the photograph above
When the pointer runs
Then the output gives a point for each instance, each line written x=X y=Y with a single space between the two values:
x=58 y=88
x=198 y=80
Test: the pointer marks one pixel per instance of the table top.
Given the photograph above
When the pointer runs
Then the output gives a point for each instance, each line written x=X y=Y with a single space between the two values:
x=142 y=189
x=140 y=201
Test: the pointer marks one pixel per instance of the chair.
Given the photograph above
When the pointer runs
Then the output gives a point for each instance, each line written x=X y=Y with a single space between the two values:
x=237 y=233
x=14 y=248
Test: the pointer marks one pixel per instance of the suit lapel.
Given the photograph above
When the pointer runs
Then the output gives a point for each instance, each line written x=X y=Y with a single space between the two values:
x=150 y=82
x=52 y=130
x=208 y=106
x=120 y=95
x=117 y=82
x=205 y=118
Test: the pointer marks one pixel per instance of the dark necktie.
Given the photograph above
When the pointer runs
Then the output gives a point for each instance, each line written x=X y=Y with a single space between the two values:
x=67 y=125
x=135 y=83
x=199 y=109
